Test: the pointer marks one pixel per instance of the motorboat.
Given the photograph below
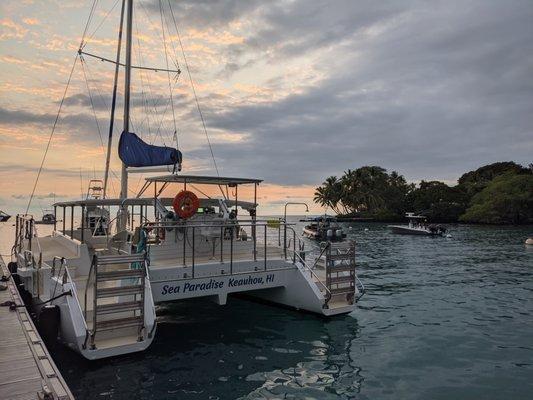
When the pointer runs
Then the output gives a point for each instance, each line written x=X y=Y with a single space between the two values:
x=418 y=225
x=110 y=260
x=324 y=228
x=4 y=216
x=48 y=218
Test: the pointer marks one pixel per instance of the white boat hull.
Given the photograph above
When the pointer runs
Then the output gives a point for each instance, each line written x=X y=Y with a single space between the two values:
x=271 y=274
x=405 y=230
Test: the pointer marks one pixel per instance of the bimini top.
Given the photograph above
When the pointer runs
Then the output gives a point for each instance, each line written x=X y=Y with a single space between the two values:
x=147 y=201
x=206 y=180
x=413 y=216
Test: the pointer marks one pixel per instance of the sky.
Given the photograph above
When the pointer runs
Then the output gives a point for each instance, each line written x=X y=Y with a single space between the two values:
x=291 y=91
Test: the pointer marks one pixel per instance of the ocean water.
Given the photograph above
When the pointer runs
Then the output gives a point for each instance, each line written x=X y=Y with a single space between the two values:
x=443 y=318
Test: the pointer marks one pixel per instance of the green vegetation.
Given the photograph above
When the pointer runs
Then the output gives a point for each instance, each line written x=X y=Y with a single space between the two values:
x=499 y=193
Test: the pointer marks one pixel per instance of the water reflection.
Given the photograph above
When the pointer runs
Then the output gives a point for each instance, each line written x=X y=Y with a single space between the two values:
x=257 y=351
x=442 y=318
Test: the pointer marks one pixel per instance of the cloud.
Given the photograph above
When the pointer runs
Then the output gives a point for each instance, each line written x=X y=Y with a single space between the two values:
x=9 y=29
x=294 y=91
x=44 y=196
x=159 y=101
x=31 y=21
x=429 y=105
x=13 y=60
x=203 y=13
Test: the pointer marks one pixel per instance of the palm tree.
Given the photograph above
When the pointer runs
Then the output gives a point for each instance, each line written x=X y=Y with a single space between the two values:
x=329 y=194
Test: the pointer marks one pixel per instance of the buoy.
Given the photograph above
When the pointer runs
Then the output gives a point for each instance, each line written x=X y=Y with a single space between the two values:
x=185 y=204
x=329 y=233
x=529 y=241
x=49 y=324
x=448 y=236
x=366 y=229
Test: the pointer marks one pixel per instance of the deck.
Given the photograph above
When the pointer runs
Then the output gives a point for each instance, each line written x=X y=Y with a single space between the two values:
x=26 y=369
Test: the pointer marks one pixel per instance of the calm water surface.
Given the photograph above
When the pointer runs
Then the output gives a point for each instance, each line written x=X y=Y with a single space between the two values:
x=442 y=319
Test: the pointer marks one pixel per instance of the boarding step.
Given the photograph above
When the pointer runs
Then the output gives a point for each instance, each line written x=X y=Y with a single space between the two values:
x=119 y=323
x=119 y=274
x=340 y=256
x=343 y=290
x=335 y=280
x=341 y=268
x=120 y=259
x=113 y=308
x=119 y=291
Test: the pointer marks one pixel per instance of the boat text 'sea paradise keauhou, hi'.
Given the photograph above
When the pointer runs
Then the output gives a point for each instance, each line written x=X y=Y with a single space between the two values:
x=105 y=274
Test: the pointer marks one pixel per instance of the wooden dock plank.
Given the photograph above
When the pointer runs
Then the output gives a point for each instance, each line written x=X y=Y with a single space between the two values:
x=25 y=365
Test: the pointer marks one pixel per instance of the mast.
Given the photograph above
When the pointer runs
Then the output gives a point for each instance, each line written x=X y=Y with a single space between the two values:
x=114 y=100
x=127 y=81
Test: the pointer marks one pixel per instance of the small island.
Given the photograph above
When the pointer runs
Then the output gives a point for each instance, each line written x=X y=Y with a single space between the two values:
x=498 y=193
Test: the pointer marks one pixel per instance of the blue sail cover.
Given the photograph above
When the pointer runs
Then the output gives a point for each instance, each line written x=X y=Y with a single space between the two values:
x=134 y=152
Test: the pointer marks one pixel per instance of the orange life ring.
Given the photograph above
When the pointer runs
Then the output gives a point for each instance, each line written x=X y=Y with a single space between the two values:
x=185 y=204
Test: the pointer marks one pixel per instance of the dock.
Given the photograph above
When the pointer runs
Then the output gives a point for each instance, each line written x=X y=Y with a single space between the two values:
x=27 y=370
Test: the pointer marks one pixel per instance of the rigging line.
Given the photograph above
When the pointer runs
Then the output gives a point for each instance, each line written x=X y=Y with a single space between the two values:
x=101 y=58
x=195 y=96
x=194 y=91
x=113 y=101
x=84 y=63
x=168 y=73
x=51 y=134
x=172 y=43
x=150 y=20
x=94 y=112
x=175 y=137
x=117 y=177
x=92 y=105
x=198 y=190
x=89 y=19
x=100 y=94
x=143 y=94
x=143 y=98
x=158 y=131
x=101 y=23
x=91 y=77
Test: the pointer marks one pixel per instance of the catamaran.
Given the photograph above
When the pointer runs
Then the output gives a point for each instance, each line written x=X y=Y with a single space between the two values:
x=110 y=261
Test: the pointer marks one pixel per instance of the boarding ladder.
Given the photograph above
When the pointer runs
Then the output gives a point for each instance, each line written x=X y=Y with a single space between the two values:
x=341 y=279
x=118 y=294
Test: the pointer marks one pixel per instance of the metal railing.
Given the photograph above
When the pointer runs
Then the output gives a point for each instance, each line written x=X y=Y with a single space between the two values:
x=316 y=278
x=292 y=250
x=226 y=235
x=26 y=235
x=62 y=266
x=63 y=277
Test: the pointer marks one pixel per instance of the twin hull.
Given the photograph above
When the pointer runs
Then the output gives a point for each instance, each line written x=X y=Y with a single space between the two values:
x=282 y=282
